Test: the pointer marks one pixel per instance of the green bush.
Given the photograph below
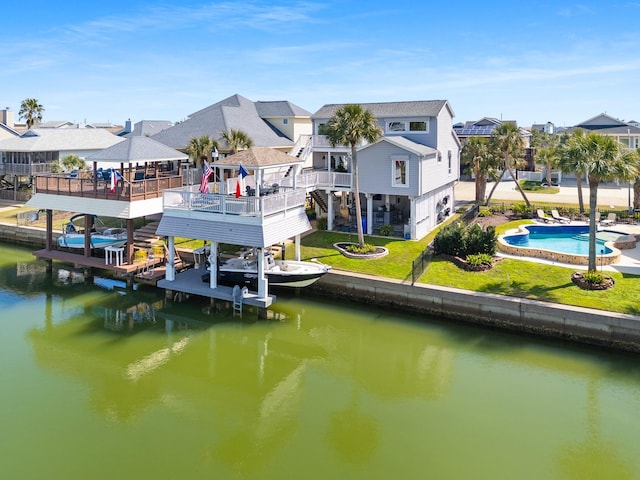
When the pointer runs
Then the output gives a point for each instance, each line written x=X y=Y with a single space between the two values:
x=456 y=240
x=366 y=248
x=593 y=277
x=479 y=259
x=323 y=223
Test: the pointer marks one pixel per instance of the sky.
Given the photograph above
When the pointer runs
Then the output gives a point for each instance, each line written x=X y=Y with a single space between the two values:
x=532 y=62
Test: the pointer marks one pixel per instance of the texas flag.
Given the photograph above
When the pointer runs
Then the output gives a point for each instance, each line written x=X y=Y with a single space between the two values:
x=114 y=180
x=239 y=183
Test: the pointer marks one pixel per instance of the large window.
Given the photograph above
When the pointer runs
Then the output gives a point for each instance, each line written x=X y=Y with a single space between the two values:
x=397 y=126
x=400 y=170
x=322 y=129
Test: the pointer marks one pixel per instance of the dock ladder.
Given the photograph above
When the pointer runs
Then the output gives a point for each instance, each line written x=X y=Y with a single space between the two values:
x=238 y=295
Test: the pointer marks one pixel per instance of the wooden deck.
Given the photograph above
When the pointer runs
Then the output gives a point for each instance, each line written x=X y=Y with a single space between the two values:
x=98 y=262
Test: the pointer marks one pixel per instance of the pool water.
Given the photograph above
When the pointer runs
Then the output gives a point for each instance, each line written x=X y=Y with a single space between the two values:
x=571 y=239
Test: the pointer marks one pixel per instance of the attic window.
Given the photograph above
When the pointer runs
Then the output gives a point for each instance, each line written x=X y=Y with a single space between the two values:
x=285 y=121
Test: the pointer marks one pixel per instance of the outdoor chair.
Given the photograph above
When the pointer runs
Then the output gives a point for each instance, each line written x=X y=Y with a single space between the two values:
x=542 y=216
x=610 y=220
x=559 y=218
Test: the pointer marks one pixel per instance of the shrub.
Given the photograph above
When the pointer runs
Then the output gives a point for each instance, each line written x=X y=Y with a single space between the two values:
x=386 y=229
x=456 y=240
x=366 y=248
x=593 y=277
x=479 y=259
x=323 y=222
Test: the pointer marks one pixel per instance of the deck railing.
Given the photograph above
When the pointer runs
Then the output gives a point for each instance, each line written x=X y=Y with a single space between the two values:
x=191 y=199
x=65 y=184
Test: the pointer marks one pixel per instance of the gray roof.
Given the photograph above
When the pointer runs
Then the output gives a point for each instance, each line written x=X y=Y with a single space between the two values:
x=280 y=108
x=137 y=149
x=57 y=139
x=406 y=144
x=235 y=112
x=148 y=128
x=257 y=158
x=420 y=108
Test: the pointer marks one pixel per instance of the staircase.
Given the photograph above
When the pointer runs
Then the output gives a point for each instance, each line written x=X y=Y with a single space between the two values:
x=146 y=236
x=320 y=198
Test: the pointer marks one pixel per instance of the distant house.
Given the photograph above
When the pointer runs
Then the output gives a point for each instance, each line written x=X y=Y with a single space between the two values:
x=146 y=128
x=626 y=133
x=406 y=178
x=274 y=124
x=484 y=128
x=37 y=149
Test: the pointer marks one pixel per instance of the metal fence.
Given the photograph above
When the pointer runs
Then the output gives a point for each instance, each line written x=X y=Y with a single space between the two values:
x=420 y=264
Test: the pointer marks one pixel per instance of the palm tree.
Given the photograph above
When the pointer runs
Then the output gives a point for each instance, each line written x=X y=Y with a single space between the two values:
x=550 y=158
x=477 y=153
x=600 y=158
x=507 y=140
x=31 y=111
x=236 y=140
x=571 y=160
x=349 y=125
x=201 y=148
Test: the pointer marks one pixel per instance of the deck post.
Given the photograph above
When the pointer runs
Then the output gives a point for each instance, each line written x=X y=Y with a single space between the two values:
x=213 y=265
x=170 y=272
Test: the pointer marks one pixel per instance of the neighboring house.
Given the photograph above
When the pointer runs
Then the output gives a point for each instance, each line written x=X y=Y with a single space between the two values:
x=37 y=149
x=146 y=128
x=548 y=127
x=626 y=133
x=7 y=128
x=484 y=128
x=406 y=178
x=276 y=124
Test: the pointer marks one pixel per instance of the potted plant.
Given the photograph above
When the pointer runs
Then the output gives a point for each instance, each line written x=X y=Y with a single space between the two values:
x=386 y=230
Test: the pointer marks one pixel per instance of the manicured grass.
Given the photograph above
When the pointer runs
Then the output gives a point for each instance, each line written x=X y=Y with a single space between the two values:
x=517 y=278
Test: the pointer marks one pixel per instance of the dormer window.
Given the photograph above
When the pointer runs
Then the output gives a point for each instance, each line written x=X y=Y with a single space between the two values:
x=401 y=126
x=285 y=121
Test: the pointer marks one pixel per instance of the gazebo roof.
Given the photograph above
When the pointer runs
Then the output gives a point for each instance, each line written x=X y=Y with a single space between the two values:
x=137 y=149
x=257 y=158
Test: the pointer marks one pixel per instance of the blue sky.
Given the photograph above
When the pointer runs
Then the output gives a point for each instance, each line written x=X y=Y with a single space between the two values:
x=531 y=62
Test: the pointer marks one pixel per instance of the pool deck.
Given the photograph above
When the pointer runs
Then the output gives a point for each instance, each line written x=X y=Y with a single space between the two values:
x=629 y=261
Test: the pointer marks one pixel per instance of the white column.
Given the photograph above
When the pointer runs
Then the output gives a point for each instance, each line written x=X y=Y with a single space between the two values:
x=412 y=218
x=369 y=213
x=330 y=213
x=262 y=281
x=213 y=265
x=170 y=273
x=297 y=240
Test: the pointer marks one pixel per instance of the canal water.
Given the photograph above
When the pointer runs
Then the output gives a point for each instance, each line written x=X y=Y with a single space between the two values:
x=104 y=383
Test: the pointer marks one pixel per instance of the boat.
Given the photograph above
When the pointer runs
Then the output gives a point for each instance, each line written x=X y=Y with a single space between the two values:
x=243 y=270
x=100 y=236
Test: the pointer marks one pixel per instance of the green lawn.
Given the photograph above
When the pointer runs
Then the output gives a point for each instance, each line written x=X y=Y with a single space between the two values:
x=517 y=278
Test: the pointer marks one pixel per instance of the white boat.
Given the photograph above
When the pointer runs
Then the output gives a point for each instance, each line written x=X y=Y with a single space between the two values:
x=100 y=236
x=284 y=273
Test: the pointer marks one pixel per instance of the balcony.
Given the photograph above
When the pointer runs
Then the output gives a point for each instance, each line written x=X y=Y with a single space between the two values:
x=84 y=185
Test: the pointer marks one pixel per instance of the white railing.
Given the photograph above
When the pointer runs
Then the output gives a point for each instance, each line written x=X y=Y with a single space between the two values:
x=188 y=199
x=319 y=179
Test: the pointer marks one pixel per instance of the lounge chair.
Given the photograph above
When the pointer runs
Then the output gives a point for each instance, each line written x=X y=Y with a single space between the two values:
x=542 y=216
x=559 y=218
x=610 y=220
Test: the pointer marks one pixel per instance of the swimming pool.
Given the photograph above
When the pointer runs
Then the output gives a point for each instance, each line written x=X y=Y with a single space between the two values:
x=565 y=243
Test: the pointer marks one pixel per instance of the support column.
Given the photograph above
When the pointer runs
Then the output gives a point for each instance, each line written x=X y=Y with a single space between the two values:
x=49 y=240
x=213 y=265
x=262 y=281
x=88 y=223
x=369 y=198
x=297 y=240
x=330 y=213
x=412 y=218
x=170 y=273
x=129 y=253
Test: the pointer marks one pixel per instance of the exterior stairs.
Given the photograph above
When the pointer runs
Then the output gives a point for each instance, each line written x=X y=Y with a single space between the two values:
x=320 y=198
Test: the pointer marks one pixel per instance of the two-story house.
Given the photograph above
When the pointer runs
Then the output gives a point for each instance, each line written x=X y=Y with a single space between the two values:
x=406 y=178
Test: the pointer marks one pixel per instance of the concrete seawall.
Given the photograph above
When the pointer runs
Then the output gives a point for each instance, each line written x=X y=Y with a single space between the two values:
x=596 y=327
x=610 y=329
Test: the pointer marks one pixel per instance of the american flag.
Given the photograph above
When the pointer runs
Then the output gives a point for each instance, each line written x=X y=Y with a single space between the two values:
x=206 y=173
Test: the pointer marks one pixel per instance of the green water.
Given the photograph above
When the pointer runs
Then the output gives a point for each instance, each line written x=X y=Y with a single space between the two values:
x=103 y=383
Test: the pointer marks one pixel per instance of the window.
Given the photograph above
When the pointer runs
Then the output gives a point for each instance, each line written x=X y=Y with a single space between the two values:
x=450 y=155
x=418 y=126
x=439 y=156
x=396 y=127
x=285 y=121
x=322 y=129
x=399 y=173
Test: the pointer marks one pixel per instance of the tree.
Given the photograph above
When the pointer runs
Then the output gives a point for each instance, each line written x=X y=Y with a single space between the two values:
x=507 y=140
x=549 y=157
x=31 y=111
x=349 y=125
x=572 y=160
x=545 y=146
x=600 y=158
x=483 y=161
x=236 y=140
x=201 y=148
